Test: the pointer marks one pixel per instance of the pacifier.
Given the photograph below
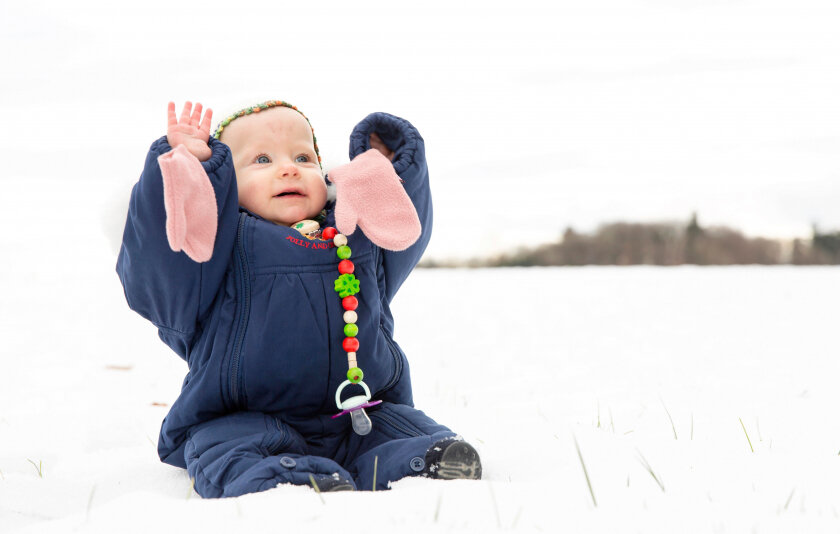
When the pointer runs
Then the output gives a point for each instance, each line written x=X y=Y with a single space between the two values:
x=355 y=406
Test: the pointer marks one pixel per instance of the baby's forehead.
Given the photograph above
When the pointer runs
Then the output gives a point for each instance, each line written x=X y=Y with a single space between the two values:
x=273 y=123
x=279 y=120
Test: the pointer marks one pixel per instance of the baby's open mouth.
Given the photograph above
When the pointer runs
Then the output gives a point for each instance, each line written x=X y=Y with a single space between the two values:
x=288 y=193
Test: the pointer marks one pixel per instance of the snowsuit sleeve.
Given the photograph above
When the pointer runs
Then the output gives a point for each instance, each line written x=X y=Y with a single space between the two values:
x=166 y=287
x=410 y=164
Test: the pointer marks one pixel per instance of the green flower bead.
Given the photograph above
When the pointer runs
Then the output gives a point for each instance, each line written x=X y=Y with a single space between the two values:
x=343 y=252
x=350 y=330
x=355 y=375
x=346 y=285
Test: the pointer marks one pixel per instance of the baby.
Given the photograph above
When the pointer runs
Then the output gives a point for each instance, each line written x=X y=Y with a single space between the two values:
x=261 y=282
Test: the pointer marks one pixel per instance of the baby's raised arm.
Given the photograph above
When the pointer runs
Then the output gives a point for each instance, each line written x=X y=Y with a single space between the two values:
x=169 y=288
x=192 y=130
x=399 y=141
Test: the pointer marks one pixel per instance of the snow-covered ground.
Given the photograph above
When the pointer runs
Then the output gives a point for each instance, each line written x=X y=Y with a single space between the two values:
x=652 y=372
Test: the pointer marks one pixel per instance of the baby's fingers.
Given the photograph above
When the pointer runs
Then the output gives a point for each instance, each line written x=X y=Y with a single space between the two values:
x=170 y=115
x=196 y=115
x=185 y=114
x=377 y=143
x=205 y=123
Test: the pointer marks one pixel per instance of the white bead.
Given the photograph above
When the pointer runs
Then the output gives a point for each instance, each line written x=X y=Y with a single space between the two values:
x=340 y=240
x=350 y=317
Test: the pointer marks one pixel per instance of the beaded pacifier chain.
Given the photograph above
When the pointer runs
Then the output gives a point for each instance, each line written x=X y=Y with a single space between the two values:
x=346 y=285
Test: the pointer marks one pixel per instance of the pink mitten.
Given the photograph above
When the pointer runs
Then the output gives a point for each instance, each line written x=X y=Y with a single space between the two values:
x=369 y=193
x=190 y=204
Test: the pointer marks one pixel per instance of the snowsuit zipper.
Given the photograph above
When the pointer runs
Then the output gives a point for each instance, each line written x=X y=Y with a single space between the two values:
x=237 y=396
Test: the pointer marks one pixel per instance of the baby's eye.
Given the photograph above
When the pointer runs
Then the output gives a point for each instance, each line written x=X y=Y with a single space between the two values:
x=262 y=158
x=303 y=158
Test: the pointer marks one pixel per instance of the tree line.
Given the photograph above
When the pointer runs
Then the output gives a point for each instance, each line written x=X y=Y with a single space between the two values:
x=665 y=244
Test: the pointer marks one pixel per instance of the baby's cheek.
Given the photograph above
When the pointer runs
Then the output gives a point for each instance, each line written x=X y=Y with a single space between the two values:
x=247 y=194
x=319 y=193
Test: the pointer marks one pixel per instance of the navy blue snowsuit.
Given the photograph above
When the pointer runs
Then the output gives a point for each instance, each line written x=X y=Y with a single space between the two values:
x=261 y=329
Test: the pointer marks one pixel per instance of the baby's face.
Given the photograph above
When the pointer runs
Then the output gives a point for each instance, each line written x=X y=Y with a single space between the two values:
x=277 y=171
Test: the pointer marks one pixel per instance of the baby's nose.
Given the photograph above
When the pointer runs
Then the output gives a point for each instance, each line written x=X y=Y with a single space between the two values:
x=288 y=170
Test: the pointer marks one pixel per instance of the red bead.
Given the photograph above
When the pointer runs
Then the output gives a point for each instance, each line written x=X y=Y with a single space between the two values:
x=328 y=233
x=350 y=303
x=346 y=266
x=350 y=344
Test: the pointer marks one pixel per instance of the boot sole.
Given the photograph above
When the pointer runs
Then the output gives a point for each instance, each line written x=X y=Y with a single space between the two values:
x=459 y=461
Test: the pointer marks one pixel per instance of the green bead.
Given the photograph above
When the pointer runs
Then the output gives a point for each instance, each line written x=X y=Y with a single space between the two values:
x=355 y=375
x=346 y=285
x=350 y=330
x=343 y=252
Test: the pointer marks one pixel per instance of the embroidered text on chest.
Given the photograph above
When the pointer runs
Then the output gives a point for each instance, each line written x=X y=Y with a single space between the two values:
x=305 y=243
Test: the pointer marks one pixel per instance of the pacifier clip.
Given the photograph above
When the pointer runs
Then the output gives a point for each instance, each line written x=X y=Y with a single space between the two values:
x=346 y=285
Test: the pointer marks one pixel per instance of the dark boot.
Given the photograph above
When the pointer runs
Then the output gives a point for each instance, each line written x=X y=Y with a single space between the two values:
x=451 y=459
x=333 y=483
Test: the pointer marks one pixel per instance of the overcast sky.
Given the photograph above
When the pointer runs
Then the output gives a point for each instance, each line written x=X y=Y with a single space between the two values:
x=536 y=115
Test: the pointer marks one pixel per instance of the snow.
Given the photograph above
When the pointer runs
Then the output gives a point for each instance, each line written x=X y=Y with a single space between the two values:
x=523 y=363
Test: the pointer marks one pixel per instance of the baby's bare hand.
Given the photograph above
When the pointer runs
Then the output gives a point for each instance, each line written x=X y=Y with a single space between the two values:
x=191 y=130
x=377 y=143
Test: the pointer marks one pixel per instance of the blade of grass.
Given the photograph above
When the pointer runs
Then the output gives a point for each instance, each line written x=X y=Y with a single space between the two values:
x=39 y=467
x=669 y=417
x=649 y=469
x=787 y=502
x=585 y=472
x=90 y=503
x=745 y=433
x=599 y=415
x=375 y=465
x=317 y=489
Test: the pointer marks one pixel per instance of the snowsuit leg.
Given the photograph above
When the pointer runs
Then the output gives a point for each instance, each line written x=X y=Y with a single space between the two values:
x=249 y=452
x=398 y=443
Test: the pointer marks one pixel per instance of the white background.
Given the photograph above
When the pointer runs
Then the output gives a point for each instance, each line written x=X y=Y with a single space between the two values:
x=537 y=115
